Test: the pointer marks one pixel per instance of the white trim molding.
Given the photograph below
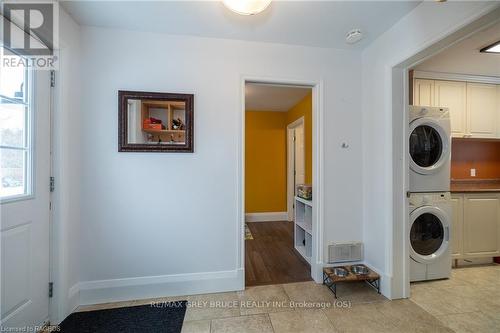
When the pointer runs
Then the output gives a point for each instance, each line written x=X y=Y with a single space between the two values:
x=144 y=287
x=74 y=297
x=456 y=77
x=266 y=217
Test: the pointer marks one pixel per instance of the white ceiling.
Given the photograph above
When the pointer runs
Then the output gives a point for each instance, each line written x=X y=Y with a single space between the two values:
x=266 y=97
x=465 y=58
x=310 y=23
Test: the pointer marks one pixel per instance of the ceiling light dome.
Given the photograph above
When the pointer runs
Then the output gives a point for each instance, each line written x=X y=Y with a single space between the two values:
x=247 y=7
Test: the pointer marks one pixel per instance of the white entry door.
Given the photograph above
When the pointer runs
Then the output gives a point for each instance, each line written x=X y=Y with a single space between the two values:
x=25 y=196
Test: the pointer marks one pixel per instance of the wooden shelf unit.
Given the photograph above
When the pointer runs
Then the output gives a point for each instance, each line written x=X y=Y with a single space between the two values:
x=167 y=134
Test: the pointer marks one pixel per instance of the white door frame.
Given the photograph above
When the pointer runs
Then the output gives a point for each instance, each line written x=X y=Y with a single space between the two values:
x=290 y=188
x=317 y=166
x=398 y=256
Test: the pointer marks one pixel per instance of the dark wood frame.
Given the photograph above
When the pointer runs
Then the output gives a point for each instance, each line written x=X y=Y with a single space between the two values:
x=124 y=146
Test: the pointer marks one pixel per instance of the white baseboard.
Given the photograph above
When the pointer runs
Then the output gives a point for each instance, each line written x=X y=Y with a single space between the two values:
x=266 y=217
x=73 y=297
x=116 y=290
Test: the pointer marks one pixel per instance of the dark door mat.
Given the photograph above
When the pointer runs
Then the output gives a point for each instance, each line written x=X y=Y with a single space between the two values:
x=160 y=318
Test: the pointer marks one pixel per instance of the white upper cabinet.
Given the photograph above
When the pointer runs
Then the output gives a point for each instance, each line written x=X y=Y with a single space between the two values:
x=452 y=95
x=474 y=107
x=423 y=92
x=482 y=110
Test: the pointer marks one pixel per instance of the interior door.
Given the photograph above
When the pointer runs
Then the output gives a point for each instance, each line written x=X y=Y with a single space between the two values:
x=25 y=197
x=295 y=163
x=300 y=172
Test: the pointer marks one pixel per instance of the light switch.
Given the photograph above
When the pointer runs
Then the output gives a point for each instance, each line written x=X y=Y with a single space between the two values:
x=473 y=172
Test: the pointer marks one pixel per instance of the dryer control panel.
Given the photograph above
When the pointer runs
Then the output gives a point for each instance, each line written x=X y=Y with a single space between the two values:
x=428 y=111
x=427 y=199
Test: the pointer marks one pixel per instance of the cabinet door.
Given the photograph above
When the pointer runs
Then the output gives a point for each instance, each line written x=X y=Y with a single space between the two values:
x=498 y=110
x=423 y=92
x=457 y=219
x=482 y=114
x=482 y=224
x=452 y=95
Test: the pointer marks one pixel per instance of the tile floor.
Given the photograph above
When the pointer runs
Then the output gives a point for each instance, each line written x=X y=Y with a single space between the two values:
x=468 y=302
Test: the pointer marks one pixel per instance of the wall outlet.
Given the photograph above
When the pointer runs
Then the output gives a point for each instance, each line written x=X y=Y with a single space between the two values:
x=473 y=172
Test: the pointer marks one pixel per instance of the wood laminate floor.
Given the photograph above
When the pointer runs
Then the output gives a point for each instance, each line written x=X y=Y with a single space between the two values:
x=270 y=257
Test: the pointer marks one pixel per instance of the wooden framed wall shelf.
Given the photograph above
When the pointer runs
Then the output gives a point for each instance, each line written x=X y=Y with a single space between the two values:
x=155 y=122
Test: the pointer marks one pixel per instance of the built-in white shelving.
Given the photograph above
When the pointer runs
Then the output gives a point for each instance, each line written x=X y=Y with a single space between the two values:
x=303 y=228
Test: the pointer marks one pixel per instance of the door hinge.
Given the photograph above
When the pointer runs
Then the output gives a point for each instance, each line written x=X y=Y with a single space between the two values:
x=52 y=78
x=52 y=185
x=51 y=289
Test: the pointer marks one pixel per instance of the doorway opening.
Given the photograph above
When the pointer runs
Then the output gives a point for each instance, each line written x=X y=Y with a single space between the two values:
x=278 y=157
x=446 y=88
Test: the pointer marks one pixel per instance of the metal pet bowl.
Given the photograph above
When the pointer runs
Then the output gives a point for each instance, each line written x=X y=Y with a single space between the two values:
x=360 y=269
x=340 y=271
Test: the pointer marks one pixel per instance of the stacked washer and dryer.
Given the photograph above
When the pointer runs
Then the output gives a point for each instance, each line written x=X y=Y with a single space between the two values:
x=429 y=199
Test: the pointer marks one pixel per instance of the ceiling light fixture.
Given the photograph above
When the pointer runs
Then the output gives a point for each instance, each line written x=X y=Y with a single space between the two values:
x=247 y=7
x=493 y=48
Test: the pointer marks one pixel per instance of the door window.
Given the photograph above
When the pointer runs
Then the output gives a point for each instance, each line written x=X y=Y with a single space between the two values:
x=426 y=146
x=426 y=234
x=15 y=133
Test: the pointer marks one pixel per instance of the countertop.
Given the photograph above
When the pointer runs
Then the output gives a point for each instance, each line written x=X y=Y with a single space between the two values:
x=475 y=185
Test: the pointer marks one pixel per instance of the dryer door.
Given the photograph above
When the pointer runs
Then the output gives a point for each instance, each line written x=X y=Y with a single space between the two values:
x=429 y=146
x=429 y=234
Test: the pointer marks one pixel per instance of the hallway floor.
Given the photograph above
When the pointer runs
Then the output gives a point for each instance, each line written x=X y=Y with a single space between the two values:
x=468 y=302
x=270 y=257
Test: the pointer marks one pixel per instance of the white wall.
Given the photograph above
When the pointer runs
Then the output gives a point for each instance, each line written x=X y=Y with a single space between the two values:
x=66 y=158
x=425 y=25
x=465 y=58
x=151 y=223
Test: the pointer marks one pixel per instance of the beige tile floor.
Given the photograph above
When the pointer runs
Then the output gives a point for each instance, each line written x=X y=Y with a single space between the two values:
x=468 y=302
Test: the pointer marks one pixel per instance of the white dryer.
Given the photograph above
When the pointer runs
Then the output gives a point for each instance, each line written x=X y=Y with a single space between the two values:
x=429 y=149
x=429 y=236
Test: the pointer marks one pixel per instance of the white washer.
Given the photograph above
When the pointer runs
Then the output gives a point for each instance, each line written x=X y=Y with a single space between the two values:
x=429 y=149
x=429 y=236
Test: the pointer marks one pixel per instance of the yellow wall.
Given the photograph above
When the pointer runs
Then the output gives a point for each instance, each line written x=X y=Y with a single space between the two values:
x=265 y=156
x=304 y=109
x=265 y=161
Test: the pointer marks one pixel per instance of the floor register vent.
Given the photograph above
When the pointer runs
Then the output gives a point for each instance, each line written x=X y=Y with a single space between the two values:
x=343 y=252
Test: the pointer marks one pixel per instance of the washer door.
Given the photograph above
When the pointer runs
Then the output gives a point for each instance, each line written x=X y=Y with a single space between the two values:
x=429 y=234
x=429 y=146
